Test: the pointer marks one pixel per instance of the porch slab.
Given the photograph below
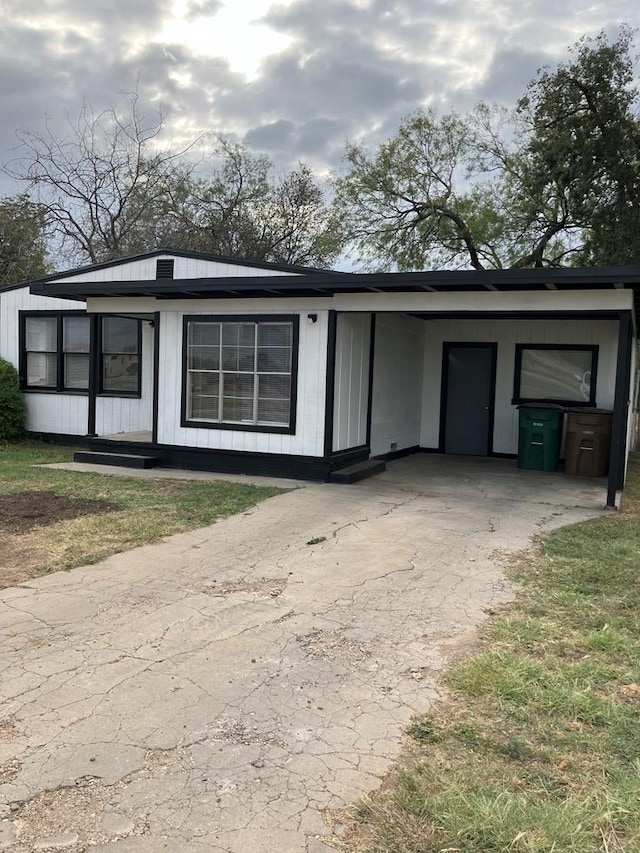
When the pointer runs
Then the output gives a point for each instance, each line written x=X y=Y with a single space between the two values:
x=229 y=688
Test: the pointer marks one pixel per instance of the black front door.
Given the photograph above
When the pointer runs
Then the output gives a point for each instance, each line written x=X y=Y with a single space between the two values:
x=468 y=386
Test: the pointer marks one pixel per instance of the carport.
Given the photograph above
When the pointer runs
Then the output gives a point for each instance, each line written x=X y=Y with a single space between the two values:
x=447 y=374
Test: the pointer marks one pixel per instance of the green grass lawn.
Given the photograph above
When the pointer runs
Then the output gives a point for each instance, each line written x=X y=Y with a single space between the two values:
x=537 y=747
x=147 y=510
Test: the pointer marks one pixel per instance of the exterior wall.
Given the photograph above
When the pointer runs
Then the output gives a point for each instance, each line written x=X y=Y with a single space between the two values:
x=353 y=338
x=66 y=414
x=408 y=360
x=308 y=439
x=183 y=268
x=46 y=412
x=130 y=414
x=397 y=383
x=506 y=333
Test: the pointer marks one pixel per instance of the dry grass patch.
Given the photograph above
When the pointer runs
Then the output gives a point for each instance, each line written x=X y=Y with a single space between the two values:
x=55 y=519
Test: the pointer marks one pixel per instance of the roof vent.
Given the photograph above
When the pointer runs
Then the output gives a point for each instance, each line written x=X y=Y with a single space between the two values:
x=164 y=268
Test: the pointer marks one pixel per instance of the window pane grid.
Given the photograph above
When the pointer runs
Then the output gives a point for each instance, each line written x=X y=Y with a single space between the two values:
x=56 y=352
x=245 y=357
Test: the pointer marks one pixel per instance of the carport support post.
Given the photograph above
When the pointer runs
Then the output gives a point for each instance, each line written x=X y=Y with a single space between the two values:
x=620 y=409
x=331 y=384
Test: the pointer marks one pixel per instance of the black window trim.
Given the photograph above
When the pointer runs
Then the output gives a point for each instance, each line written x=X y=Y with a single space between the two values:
x=592 y=348
x=59 y=388
x=294 y=319
x=137 y=394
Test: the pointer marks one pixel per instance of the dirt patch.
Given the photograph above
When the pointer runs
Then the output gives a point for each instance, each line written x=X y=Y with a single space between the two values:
x=333 y=645
x=8 y=730
x=9 y=771
x=72 y=819
x=21 y=512
x=235 y=731
x=22 y=515
x=262 y=586
x=160 y=758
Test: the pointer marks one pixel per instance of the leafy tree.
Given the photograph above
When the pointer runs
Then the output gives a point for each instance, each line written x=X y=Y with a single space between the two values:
x=236 y=207
x=584 y=145
x=22 y=242
x=440 y=193
x=555 y=182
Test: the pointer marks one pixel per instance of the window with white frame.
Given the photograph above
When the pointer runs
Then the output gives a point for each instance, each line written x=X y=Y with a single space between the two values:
x=240 y=371
x=556 y=373
x=55 y=351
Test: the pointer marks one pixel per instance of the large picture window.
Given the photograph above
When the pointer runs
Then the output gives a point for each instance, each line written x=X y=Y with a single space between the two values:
x=120 y=356
x=556 y=373
x=55 y=351
x=240 y=372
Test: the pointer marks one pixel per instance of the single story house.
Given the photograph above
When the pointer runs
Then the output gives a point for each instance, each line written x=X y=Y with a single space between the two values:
x=229 y=365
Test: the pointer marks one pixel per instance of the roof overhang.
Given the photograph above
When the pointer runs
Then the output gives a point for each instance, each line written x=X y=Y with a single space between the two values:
x=328 y=286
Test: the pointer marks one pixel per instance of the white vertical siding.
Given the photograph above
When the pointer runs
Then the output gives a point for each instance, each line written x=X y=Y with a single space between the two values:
x=46 y=412
x=353 y=338
x=57 y=413
x=130 y=414
x=507 y=333
x=145 y=269
x=308 y=439
x=397 y=383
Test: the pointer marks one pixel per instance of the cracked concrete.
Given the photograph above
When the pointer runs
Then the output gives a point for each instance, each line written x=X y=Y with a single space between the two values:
x=229 y=688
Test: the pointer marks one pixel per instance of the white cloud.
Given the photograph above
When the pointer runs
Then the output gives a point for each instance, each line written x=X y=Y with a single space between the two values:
x=226 y=28
x=295 y=78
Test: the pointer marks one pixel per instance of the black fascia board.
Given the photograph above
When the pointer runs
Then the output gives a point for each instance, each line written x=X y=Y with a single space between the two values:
x=193 y=287
x=322 y=284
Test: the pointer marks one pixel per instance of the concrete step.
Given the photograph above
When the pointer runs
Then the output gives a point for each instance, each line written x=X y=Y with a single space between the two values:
x=359 y=471
x=126 y=460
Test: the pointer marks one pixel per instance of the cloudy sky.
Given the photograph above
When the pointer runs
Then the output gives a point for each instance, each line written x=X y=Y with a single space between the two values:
x=294 y=79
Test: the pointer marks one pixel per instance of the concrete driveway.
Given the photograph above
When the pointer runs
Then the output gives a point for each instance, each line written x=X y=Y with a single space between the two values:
x=227 y=689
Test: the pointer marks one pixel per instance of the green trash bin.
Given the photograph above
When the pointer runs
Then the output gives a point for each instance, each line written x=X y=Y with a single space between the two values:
x=539 y=437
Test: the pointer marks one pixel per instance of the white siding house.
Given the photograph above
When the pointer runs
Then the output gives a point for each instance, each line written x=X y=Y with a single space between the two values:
x=230 y=365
